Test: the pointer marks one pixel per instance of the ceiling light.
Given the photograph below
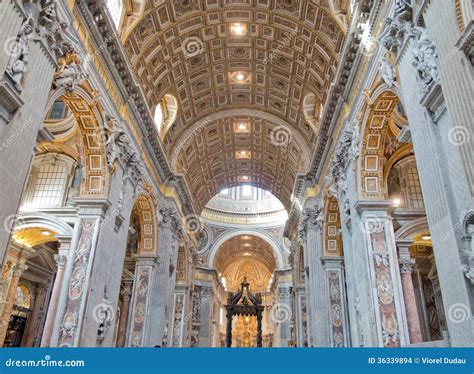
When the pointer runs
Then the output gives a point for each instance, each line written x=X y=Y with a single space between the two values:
x=45 y=233
x=246 y=237
x=238 y=29
x=241 y=127
x=239 y=77
x=246 y=254
x=246 y=155
x=396 y=202
x=426 y=237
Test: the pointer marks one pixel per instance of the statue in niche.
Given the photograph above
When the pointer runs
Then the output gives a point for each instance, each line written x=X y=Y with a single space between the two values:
x=17 y=66
x=133 y=237
x=424 y=59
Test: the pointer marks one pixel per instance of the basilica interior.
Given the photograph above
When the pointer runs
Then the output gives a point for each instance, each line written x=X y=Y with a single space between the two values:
x=236 y=173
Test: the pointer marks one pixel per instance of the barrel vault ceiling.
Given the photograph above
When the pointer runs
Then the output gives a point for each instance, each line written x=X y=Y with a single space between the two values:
x=224 y=80
x=246 y=256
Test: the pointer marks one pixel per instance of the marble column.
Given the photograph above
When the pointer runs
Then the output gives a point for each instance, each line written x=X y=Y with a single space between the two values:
x=379 y=242
x=413 y=320
x=10 y=300
x=126 y=293
x=164 y=273
x=281 y=314
x=337 y=308
x=22 y=112
x=318 y=303
x=35 y=318
x=54 y=300
x=439 y=114
x=5 y=282
x=205 y=310
x=177 y=326
x=141 y=310
x=302 y=318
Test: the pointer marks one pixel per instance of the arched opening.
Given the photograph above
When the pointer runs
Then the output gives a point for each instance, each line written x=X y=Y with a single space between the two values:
x=73 y=121
x=28 y=276
x=251 y=259
x=312 y=110
x=242 y=147
x=388 y=171
x=245 y=205
x=116 y=11
x=141 y=241
x=380 y=141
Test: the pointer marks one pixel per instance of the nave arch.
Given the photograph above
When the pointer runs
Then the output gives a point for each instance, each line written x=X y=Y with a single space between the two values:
x=94 y=135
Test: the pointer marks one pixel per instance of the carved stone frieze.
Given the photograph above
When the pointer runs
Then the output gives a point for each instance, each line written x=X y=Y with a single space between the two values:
x=62 y=42
x=311 y=218
x=394 y=34
x=169 y=217
x=120 y=148
x=424 y=59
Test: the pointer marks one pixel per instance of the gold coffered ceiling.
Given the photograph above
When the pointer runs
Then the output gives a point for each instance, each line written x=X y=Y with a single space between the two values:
x=286 y=50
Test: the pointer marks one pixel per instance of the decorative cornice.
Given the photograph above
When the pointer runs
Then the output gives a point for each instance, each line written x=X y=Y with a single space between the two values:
x=104 y=35
x=351 y=59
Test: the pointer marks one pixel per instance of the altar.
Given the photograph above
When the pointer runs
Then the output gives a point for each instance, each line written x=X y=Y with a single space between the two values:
x=246 y=308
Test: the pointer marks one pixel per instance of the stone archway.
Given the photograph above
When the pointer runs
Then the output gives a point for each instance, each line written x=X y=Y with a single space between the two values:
x=94 y=136
x=277 y=250
x=382 y=123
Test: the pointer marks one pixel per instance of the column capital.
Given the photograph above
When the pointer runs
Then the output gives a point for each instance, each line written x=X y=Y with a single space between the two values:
x=145 y=259
x=169 y=217
x=61 y=260
x=335 y=262
x=373 y=206
x=126 y=290
x=19 y=268
x=406 y=265
x=311 y=218
x=41 y=289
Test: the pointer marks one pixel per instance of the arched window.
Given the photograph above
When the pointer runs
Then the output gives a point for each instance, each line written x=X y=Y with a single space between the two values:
x=312 y=110
x=59 y=111
x=115 y=9
x=50 y=178
x=165 y=114
x=404 y=184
